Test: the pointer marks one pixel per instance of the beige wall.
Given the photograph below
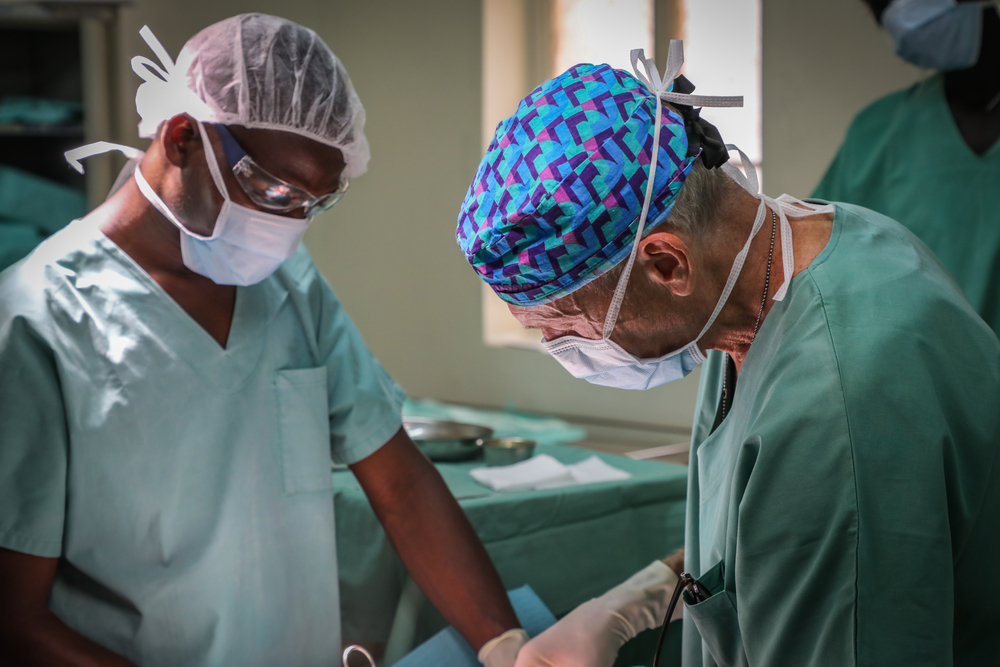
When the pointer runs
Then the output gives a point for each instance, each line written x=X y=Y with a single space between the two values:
x=388 y=248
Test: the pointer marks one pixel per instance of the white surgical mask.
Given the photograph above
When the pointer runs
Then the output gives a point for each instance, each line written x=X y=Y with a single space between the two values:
x=246 y=245
x=942 y=35
x=606 y=363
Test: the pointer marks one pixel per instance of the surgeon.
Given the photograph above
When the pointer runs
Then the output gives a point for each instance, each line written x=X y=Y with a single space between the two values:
x=927 y=156
x=175 y=376
x=844 y=488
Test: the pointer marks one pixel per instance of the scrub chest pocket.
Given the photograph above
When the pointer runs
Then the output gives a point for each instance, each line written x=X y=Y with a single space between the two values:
x=716 y=620
x=304 y=430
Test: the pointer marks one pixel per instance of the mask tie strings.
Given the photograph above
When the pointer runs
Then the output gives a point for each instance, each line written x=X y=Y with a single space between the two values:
x=785 y=206
x=154 y=199
x=734 y=273
x=661 y=88
x=616 y=301
x=213 y=162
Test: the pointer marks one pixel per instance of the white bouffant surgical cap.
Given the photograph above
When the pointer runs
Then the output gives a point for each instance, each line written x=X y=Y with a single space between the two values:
x=260 y=72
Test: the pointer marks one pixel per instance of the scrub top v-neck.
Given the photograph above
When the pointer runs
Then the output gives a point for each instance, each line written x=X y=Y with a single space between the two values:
x=905 y=157
x=844 y=511
x=185 y=486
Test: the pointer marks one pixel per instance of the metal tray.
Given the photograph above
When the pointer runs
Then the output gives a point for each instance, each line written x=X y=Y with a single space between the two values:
x=447 y=441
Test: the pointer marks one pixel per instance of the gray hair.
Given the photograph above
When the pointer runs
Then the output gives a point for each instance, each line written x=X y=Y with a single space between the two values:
x=696 y=211
x=702 y=197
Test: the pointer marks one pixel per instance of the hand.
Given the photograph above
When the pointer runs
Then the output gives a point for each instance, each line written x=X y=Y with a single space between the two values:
x=592 y=634
x=675 y=561
x=30 y=634
x=435 y=540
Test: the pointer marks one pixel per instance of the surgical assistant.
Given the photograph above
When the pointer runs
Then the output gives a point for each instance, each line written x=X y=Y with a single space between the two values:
x=176 y=378
x=928 y=156
x=844 y=488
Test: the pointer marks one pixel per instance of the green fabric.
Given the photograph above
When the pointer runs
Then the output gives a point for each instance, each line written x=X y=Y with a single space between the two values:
x=48 y=205
x=853 y=490
x=568 y=544
x=38 y=111
x=32 y=208
x=185 y=487
x=905 y=158
x=16 y=241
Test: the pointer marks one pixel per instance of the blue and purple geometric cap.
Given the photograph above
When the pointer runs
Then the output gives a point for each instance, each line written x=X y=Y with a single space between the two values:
x=556 y=201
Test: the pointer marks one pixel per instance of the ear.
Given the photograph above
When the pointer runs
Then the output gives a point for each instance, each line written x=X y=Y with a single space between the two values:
x=181 y=139
x=667 y=260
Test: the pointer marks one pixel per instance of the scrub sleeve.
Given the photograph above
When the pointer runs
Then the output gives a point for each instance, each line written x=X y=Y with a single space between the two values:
x=365 y=403
x=32 y=440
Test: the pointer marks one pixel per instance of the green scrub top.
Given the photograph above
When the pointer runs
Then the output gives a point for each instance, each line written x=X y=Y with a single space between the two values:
x=905 y=158
x=186 y=488
x=846 y=510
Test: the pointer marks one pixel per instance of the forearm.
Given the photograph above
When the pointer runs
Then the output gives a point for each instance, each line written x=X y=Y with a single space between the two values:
x=445 y=557
x=435 y=541
x=44 y=640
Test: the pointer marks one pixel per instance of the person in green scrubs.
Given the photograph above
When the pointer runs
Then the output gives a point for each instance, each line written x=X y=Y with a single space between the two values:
x=176 y=377
x=928 y=156
x=844 y=483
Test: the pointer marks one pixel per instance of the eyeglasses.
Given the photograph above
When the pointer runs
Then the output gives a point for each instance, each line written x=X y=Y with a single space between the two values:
x=268 y=191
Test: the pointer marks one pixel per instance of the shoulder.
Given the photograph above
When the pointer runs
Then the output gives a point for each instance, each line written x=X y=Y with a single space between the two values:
x=299 y=268
x=300 y=276
x=878 y=276
x=26 y=288
x=906 y=341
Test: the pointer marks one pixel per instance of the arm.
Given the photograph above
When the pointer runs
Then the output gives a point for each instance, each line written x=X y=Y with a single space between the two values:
x=435 y=540
x=30 y=634
x=33 y=446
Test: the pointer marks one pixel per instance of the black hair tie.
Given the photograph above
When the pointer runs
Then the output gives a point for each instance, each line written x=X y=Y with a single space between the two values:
x=700 y=133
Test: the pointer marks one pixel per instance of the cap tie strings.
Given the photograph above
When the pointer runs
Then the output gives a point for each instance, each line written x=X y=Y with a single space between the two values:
x=661 y=89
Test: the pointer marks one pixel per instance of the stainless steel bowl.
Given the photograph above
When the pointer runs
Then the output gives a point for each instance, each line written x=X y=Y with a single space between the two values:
x=504 y=451
x=447 y=441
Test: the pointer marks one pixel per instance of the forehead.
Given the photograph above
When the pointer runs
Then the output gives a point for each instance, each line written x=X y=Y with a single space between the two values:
x=299 y=160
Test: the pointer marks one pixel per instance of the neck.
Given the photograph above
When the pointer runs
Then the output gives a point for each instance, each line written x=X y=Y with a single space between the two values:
x=734 y=330
x=141 y=231
x=973 y=94
x=976 y=87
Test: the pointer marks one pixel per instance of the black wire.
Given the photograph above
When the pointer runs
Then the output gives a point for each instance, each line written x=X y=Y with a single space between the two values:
x=678 y=587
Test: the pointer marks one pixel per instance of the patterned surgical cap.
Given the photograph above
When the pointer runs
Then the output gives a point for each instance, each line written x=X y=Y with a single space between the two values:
x=555 y=202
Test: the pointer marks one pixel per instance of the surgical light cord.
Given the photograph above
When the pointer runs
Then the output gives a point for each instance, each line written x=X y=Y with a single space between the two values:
x=682 y=582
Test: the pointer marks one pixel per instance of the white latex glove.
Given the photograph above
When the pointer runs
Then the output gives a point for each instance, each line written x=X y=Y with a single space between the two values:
x=502 y=651
x=592 y=634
